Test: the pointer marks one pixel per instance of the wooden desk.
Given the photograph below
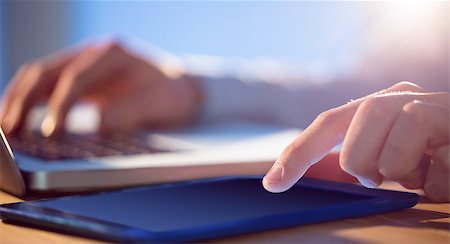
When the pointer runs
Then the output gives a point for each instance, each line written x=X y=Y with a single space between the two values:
x=425 y=223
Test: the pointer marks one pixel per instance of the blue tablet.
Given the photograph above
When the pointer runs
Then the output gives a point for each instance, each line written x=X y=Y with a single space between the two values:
x=202 y=209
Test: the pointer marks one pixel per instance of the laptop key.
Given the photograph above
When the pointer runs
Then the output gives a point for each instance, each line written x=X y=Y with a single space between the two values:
x=73 y=146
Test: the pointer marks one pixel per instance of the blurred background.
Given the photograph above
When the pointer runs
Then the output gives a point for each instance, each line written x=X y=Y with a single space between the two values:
x=315 y=39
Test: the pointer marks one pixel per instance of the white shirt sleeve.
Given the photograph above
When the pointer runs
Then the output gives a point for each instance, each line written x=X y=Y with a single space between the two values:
x=231 y=98
x=297 y=104
x=394 y=54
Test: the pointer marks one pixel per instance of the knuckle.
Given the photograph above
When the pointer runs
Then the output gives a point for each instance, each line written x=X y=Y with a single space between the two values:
x=375 y=106
x=289 y=158
x=417 y=115
x=113 y=46
x=37 y=68
x=328 y=117
x=288 y=152
x=407 y=86
x=331 y=121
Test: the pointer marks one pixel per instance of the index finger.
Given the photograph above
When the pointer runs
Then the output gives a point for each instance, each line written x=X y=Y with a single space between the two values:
x=326 y=131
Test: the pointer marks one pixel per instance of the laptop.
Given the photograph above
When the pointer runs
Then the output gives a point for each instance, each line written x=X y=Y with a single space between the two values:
x=83 y=161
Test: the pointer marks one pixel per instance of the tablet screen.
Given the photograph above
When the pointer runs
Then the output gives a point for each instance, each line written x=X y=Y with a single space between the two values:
x=197 y=204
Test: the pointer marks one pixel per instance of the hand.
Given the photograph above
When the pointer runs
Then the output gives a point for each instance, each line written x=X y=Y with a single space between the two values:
x=130 y=92
x=400 y=134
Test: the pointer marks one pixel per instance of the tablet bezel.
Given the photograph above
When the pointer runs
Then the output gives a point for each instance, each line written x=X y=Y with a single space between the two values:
x=374 y=201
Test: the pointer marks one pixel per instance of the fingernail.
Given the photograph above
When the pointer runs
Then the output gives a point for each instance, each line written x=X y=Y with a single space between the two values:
x=48 y=126
x=275 y=173
x=367 y=183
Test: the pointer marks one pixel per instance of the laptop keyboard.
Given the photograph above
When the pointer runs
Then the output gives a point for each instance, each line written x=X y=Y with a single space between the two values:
x=74 y=146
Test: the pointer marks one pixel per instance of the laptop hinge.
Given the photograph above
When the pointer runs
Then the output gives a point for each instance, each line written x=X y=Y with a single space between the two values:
x=11 y=179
